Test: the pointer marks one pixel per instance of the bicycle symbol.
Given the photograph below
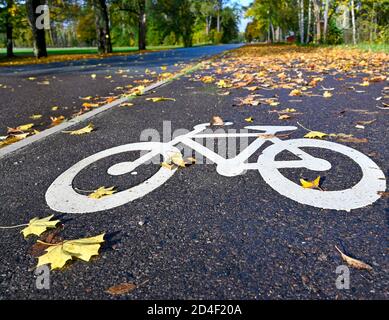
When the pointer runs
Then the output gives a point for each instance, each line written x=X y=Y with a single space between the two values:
x=62 y=197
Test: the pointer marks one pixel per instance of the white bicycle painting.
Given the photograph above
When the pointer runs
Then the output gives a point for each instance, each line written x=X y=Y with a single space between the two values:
x=62 y=197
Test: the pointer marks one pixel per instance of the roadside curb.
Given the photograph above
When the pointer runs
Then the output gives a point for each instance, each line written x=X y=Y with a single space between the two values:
x=5 y=151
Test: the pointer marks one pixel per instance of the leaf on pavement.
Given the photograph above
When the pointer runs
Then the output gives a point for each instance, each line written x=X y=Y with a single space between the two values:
x=315 y=135
x=57 y=255
x=353 y=140
x=38 y=226
x=315 y=184
x=284 y=117
x=159 y=99
x=90 y=105
x=102 y=192
x=57 y=120
x=224 y=84
x=88 y=129
x=55 y=108
x=295 y=93
x=249 y=119
x=383 y=194
x=327 y=94
x=208 y=79
x=355 y=263
x=217 y=121
x=121 y=288
x=126 y=104
x=24 y=127
x=36 y=116
x=93 y=76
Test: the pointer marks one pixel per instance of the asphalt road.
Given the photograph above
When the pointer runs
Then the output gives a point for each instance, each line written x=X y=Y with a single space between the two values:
x=202 y=235
x=36 y=89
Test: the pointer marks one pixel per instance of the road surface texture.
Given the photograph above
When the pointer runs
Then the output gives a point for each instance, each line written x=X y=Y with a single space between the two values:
x=36 y=89
x=202 y=235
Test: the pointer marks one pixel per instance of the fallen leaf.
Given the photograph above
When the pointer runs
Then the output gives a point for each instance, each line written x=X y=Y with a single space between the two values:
x=295 y=93
x=353 y=140
x=177 y=159
x=207 y=79
x=126 y=104
x=224 y=84
x=315 y=184
x=93 y=76
x=284 y=117
x=355 y=263
x=217 y=121
x=121 y=288
x=25 y=127
x=37 y=226
x=36 y=116
x=366 y=123
x=57 y=120
x=327 y=94
x=102 y=192
x=315 y=135
x=250 y=119
x=88 y=129
x=383 y=194
x=159 y=99
x=90 y=105
x=58 y=254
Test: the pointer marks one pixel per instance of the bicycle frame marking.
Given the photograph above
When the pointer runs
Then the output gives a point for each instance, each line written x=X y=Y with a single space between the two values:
x=61 y=197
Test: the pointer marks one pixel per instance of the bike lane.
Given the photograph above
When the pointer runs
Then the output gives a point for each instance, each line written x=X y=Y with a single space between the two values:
x=201 y=234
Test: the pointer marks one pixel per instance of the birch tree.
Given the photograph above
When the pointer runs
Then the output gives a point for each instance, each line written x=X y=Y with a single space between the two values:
x=309 y=21
x=301 y=20
x=352 y=5
x=326 y=9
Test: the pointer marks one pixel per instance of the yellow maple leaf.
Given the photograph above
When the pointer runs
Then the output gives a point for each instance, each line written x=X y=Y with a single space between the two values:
x=102 y=192
x=208 y=79
x=126 y=104
x=36 y=116
x=57 y=255
x=315 y=184
x=159 y=99
x=295 y=93
x=38 y=226
x=327 y=94
x=224 y=84
x=25 y=127
x=284 y=117
x=250 y=119
x=88 y=129
x=315 y=135
x=57 y=120
x=93 y=76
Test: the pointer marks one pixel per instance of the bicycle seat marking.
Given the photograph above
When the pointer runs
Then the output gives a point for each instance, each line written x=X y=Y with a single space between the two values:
x=62 y=197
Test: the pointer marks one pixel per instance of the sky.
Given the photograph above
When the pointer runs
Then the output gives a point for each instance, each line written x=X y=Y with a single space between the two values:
x=244 y=21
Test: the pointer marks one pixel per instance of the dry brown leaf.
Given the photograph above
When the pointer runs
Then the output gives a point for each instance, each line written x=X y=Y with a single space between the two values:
x=217 y=121
x=355 y=263
x=122 y=288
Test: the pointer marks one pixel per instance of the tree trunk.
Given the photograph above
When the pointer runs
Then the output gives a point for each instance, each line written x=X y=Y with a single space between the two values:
x=102 y=27
x=326 y=9
x=309 y=21
x=39 y=40
x=316 y=7
x=301 y=20
x=9 y=30
x=142 y=25
x=219 y=9
x=353 y=22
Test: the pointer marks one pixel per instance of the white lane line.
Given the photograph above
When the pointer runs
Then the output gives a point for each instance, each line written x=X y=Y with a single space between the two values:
x=65 y=125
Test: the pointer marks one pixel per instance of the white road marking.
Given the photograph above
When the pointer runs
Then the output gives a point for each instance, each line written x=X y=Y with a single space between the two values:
x=63 y=198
